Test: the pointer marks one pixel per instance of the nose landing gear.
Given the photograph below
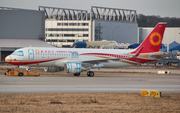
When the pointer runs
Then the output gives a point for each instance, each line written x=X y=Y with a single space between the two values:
x=28 y=69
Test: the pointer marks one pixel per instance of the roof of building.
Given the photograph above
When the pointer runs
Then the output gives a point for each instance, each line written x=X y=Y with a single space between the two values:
x=174 y=46
x=23 y=43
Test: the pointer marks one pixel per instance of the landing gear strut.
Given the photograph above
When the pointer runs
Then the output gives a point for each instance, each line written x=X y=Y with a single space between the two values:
x=28 y=69
x=90 y=73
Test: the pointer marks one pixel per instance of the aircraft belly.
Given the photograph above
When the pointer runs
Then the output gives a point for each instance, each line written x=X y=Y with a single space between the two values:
x=60 y=63
x=114 y=64
x=46 y=64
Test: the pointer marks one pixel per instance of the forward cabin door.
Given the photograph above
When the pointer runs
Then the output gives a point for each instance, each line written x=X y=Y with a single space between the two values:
x=30 y=54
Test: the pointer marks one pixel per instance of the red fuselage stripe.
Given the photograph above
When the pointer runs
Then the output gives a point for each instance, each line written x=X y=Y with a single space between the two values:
x=30 y=62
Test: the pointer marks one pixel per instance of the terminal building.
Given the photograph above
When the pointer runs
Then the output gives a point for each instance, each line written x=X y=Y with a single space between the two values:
x=63 y=26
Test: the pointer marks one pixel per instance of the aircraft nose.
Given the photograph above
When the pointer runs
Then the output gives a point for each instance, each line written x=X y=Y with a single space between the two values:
x=8 y=59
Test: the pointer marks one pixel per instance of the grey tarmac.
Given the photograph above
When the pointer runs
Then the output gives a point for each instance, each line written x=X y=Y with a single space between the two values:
x=49 y=84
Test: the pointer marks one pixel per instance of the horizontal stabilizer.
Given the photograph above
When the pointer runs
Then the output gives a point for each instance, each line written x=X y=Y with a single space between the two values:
x=161 y=55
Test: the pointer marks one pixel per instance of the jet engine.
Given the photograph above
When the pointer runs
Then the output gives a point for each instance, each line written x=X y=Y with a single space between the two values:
x=53 y=69
x=72 y=67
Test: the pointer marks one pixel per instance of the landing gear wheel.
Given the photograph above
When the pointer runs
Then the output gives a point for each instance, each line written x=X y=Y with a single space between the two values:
x=76 y=74
x=20 y=74
x=90 y=73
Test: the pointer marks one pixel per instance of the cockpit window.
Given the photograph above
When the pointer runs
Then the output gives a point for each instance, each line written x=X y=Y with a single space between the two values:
x=18 y=53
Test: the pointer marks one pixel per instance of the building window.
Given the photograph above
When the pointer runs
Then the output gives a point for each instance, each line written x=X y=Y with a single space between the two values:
x=69 y=35
x=66 y=46
x=70 y=40
x=61 y=29
x=85 y=40
x=65 y=24
x=86 y=24
x=72 y=24
x=51 y=40
x=59 y=24
x=85 y=35
x=50 y=35
x=80 y=35
x=60 y=40
x=64 y=40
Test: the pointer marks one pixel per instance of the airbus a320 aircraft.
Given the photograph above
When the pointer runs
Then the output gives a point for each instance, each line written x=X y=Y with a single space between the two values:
x=75 y=60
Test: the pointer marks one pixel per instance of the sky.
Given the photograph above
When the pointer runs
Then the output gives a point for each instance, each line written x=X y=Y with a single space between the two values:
x=163 y=8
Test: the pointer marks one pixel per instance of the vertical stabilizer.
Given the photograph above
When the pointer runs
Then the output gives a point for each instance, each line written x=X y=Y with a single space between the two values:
x=153 y=41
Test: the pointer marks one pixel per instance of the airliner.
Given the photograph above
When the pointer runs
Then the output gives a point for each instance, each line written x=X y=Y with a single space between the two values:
x=76 y=60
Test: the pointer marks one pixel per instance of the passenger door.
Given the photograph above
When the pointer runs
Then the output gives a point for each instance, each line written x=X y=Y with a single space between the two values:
x=30 y=54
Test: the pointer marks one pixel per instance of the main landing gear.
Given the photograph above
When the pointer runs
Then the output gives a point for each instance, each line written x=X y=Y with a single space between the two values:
x=89 y=74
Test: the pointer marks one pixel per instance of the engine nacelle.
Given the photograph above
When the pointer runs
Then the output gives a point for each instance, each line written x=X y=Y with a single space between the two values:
x=72 y=67
x=53 y=69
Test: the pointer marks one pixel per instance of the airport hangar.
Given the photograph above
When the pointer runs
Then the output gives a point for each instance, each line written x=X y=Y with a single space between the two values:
x=62 y=27
x=20 y=28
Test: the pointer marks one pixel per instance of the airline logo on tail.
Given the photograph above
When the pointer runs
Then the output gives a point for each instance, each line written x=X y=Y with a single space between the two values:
x=155 y=39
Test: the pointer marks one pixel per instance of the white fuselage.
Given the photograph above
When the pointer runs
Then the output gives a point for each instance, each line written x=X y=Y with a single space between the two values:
x=57 y=57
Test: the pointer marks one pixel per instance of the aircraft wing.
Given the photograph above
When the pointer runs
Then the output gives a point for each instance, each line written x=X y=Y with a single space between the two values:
x=106 y=59
x=93 y=61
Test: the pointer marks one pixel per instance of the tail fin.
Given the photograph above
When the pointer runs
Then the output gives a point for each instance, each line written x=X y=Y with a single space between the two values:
x=153 y=42
x=75 y=46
